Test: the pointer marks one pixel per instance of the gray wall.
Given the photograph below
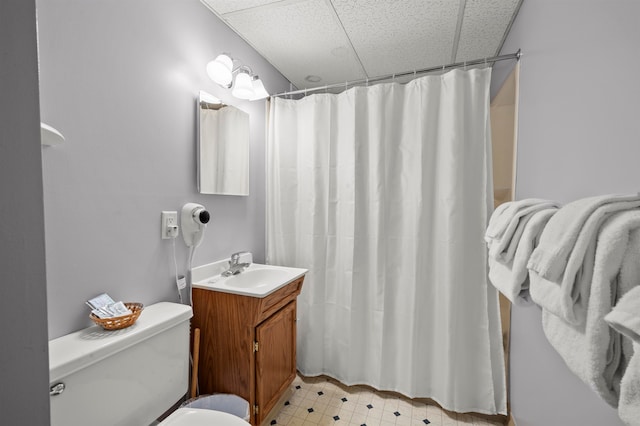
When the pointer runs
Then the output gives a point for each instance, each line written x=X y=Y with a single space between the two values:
x=119 y=80
x=24 y=363
x=579 y=135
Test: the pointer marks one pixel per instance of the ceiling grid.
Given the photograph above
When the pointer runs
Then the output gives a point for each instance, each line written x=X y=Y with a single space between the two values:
x=454 y=51
x=344 y=40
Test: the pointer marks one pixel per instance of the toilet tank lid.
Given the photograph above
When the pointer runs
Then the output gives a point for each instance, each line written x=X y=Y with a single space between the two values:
x=78 y=350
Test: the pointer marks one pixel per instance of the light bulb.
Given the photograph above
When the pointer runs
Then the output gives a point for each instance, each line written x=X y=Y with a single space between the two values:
x=220 y=70
x=259 y=92
x=242 y=87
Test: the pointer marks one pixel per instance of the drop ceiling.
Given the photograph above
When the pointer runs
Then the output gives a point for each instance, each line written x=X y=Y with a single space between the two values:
x=319 y=42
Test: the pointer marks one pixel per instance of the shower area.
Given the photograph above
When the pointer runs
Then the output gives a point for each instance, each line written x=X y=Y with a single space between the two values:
x=383 y=192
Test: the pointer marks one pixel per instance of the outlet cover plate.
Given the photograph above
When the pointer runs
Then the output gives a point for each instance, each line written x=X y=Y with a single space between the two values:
x=169 y=220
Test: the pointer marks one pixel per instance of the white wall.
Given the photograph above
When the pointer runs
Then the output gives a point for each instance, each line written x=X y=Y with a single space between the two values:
x=24 y=363
x=119 y=80
x=579 y=135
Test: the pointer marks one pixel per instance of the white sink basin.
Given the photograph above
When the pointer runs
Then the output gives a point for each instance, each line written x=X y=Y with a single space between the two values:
x=257 y=280
x=258 y=277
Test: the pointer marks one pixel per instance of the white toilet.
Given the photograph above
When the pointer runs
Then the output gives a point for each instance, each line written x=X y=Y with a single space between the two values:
x=200 y=417
x=127 y=377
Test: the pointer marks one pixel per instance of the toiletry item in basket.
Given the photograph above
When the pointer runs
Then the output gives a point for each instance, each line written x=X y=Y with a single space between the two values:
x=103 y=306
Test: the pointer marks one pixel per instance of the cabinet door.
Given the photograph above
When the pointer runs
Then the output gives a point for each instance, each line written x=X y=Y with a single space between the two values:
x=276 y=358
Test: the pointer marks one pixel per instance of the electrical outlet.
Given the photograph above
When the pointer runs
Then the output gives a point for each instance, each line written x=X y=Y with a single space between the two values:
x=169 y=225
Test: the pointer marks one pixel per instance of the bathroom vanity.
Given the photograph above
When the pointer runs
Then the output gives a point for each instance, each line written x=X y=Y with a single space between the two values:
x=248 y=335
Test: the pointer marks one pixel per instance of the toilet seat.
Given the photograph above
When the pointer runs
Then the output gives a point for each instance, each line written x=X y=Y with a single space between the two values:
x=201 y=417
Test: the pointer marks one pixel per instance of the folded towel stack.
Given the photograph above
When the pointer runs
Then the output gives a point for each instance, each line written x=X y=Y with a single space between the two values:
x=511 y=276
x=561 y=267
x=625 y=318
x=592 y=350
x=512 y=234
x=508 y=223
x=576 y=262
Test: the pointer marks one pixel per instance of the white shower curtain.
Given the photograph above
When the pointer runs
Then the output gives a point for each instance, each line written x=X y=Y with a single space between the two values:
x=383 y=193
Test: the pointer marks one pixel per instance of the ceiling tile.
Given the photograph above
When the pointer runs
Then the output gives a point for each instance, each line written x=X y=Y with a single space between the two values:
x=483 y=28
x=299 y=38
x=225 y=6
x=345 y=40
x=399 y=36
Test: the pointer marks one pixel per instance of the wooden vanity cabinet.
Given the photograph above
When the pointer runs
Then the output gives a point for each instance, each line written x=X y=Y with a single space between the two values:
x=247 y=345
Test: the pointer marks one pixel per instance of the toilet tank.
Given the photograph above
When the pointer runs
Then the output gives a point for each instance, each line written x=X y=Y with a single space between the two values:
x=122 y=377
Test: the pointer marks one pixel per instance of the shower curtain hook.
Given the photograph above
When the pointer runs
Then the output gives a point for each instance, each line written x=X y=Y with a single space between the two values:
x=393 y=78
x=367 y=81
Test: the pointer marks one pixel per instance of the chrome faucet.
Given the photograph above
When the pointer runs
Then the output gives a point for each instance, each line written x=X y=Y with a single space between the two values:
x=235 y=267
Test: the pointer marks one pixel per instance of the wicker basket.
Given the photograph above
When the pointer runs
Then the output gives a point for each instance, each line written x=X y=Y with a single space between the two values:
x=124 y=321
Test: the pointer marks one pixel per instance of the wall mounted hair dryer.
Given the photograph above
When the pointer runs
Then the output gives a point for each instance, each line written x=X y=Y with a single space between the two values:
x=194 y=220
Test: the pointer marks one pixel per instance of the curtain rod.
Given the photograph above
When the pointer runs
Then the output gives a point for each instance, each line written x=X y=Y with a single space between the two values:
x=508 y=56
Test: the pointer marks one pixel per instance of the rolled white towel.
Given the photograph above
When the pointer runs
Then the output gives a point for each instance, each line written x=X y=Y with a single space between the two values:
x=561 y=267
x=578 y=219
x=503 y=215
x=497 y=224
x=629 y=404
x=593 y=351
x=505 y=247
x=511 y=277
x=625 y=318
x=507 y=224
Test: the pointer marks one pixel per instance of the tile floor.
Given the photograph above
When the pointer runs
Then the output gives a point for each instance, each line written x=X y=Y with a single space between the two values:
x=324 y=401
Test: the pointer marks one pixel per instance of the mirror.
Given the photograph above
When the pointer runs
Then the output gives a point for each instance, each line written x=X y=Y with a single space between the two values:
x=223 y=148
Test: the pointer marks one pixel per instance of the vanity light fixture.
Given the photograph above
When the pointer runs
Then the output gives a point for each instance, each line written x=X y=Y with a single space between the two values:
x=241 y=80
x=242 y=86
x=220 y=70
x=259 y=92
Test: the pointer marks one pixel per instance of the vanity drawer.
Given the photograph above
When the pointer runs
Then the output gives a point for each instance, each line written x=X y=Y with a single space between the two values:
x=280 y=298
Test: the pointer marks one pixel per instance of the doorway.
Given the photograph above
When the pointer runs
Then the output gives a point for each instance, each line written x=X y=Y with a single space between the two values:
x=504 y=119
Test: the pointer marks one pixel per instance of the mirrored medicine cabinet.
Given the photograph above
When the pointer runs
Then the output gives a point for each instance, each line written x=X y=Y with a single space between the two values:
x=223 y=148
